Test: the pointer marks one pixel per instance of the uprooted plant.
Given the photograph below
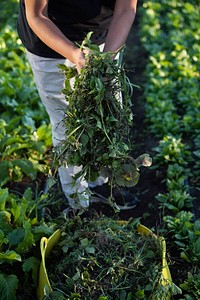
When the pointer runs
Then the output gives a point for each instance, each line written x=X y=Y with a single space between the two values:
x=98 y=120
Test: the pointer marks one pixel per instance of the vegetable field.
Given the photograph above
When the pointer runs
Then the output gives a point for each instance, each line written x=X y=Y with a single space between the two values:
x=162 y=57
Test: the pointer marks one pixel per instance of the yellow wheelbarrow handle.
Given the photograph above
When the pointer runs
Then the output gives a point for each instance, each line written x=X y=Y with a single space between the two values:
x=46 y=246
x=166 y=275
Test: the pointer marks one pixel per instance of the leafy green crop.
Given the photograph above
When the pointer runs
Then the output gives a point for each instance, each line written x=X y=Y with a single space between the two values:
x=19 y=223
x=191 y=285
x=186 y=234
x=169 y=31
x=21 y=229
x=21 y=152
x=18 y=93
x=24 y=136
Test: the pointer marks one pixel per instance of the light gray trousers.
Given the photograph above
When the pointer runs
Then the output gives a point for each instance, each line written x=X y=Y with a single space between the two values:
x=50 y=82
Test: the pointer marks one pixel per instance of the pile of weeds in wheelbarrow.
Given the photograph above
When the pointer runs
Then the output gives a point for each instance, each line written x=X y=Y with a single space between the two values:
x=102 y=259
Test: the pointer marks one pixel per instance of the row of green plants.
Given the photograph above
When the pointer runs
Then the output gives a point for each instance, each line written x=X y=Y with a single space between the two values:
x=170 y=35
x=25 y=141
x=25 y=135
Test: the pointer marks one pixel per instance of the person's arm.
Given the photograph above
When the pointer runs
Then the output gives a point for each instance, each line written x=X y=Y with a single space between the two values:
x=123 y=17
x=49 y=33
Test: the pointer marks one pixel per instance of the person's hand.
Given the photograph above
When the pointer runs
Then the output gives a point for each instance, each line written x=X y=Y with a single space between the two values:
x=80 y=59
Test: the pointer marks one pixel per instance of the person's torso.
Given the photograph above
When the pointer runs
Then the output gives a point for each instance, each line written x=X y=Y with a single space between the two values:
x=75 y=18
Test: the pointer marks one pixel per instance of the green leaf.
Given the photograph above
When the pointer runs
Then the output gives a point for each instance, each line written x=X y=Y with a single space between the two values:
x=3 y=197
x=19 y=211
x=76 y=276
x=16 y=236
x=5 y=216
x=5 y=172
x=90 y=250
x=28 y=241
x=28 y=195
x=8 y=287
x=197 y=246
x=130 y=296
x=122 y=295
x=28 y=122
x=26 y=166
x=9 y=256
x=44 y=134
x=84 y=139
x=5 y=221
x=127 y=176
x=32 y=264
x=140 y=294
x=84 y=242
x=15 y=147
x=75 y=296
x=183 y=255
x=3 y=240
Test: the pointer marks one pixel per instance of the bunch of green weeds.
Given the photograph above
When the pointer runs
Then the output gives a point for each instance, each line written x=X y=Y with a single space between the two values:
x=98 y=120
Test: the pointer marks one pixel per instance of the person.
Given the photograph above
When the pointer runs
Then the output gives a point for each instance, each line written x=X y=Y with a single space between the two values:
x=51 y=31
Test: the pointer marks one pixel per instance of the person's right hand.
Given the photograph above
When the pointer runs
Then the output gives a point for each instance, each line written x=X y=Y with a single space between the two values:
x=79 y=58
